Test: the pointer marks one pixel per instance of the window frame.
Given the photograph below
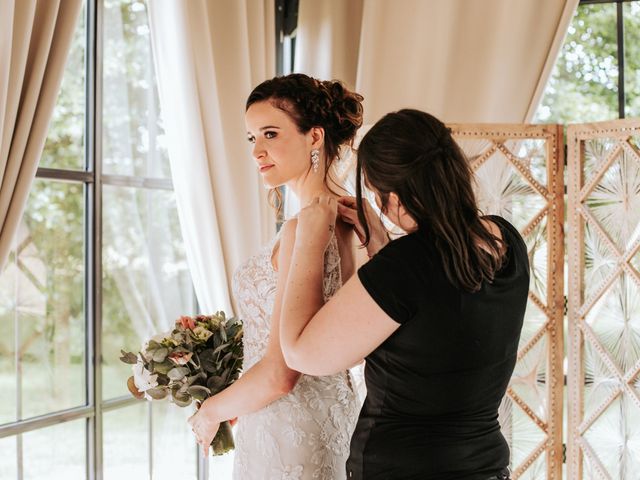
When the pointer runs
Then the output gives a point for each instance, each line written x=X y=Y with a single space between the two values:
x=620 y=47
x=93 y=180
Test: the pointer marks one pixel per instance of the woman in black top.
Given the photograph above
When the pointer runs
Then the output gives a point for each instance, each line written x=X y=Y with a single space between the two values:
x=436 y=313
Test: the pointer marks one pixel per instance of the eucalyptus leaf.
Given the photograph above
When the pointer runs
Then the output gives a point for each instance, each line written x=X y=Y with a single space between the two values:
x=221 y=347
x=216 y=383
x=160 y=354
x=128 y=357
x=177 y=373
x=227 y=357
x=157 y=393
x=194 y=378
x=195 y=361
x=164 y=367
x=207 y=361
x=199 y=392
x=198 y=388
x=182 y=400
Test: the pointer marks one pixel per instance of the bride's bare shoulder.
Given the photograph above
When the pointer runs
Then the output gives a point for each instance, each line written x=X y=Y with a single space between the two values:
x=286 y=235
x=348 y=248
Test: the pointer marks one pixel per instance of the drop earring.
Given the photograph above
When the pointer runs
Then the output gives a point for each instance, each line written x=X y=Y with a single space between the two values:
x=315 y=159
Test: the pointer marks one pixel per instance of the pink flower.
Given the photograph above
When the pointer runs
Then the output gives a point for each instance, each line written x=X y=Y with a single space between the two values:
x=187 y=322
x=180 y=358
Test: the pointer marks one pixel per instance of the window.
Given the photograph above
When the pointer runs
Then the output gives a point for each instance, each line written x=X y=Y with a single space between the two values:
x=597 y=75
x=98 y=264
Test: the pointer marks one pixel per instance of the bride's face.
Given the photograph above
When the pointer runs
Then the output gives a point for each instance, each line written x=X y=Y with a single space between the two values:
x=281 y=152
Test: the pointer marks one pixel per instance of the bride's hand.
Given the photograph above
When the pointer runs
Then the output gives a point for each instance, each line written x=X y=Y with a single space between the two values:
x=378 y=236
x=204 y=429
x=317 y=223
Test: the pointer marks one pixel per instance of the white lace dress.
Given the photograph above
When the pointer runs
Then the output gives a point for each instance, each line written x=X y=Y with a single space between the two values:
x=305 y=434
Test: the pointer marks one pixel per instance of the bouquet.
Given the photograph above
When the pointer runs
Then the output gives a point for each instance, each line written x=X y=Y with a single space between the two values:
x=201 y=356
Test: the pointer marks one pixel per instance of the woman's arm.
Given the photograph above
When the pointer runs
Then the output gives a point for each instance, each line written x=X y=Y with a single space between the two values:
x=269 y=379
x=323 y=340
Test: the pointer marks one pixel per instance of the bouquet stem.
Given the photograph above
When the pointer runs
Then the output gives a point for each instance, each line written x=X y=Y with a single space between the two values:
x=223 y=441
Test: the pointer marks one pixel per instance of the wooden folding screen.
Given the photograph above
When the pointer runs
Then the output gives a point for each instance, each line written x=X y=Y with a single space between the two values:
x=519 y=175
x=604 y=300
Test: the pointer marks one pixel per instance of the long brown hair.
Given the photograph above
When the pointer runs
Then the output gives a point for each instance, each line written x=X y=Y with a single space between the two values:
x=413 y=154
x=310 y=102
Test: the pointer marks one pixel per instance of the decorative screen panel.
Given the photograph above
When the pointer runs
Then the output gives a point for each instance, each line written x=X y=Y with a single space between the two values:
x=519 y=176
x=604 y=300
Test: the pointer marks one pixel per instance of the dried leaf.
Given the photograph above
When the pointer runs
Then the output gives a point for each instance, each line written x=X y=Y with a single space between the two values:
x=131 y=385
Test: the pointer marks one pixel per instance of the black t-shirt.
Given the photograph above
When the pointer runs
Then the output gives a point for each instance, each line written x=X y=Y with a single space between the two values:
x=434 y=386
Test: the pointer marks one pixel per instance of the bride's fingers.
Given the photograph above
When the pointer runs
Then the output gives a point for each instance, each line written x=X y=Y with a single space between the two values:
x=326 y=199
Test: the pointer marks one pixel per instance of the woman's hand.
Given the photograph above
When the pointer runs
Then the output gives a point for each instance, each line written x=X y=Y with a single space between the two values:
x=204 y=428
x=317 y=223
x=347 y=209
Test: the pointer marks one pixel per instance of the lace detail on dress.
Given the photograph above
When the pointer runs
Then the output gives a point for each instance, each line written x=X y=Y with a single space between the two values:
x=305 y=434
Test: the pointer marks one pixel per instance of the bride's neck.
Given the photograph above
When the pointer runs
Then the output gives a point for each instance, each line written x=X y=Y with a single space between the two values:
x=311 y=186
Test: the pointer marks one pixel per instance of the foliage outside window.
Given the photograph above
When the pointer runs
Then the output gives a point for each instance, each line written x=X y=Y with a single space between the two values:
x=47 y=307
x=584 y=84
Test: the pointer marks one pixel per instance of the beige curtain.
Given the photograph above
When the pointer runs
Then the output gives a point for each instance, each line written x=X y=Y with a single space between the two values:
x=35 y=36
x=462 y=60
x=208 y=55
x=328 y=39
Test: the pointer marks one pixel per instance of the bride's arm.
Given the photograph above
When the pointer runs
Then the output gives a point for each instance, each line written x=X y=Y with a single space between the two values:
x=324 y=339
x=265 y=382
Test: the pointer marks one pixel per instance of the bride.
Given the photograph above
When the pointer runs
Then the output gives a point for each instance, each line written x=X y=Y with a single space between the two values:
x=290 y=426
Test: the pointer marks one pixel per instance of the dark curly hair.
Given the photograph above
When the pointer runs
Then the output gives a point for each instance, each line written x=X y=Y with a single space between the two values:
x=310 y=102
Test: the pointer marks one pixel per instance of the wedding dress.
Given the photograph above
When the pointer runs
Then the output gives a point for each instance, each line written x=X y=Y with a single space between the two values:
x=305 y=434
